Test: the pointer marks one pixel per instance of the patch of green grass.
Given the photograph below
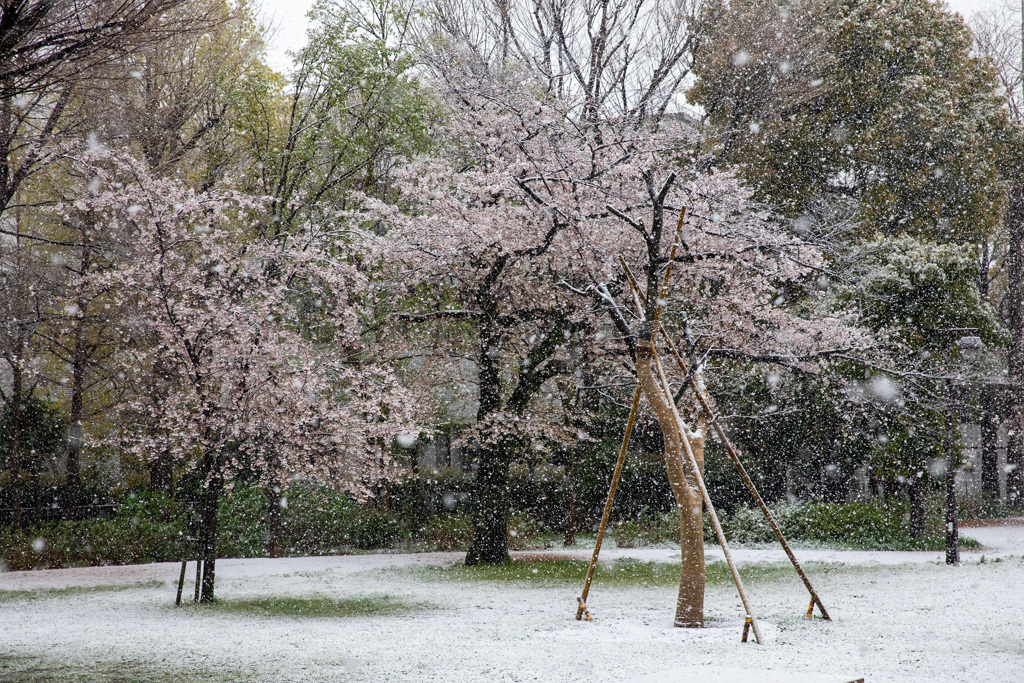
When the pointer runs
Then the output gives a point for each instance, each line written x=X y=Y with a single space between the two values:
x=718 y=573
x=316 y=606
x=558 y=572
x=621 y=572
x=28 y=669
x=46 y=593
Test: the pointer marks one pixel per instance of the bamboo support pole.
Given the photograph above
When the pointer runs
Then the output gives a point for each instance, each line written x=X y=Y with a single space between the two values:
x=620 y=462
x=692 y=461
x=699 y=480
x=606 y=515
x=634 y=288
x=734 y=456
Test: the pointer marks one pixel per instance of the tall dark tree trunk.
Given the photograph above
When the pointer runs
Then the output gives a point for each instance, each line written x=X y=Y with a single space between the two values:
x=210 y=530
x=72 y=486
x=276 y=545
x=571 y=511
x=491 y=499
x=1015 y=356
x=984 y=257
x=491 y=511
x=989 y=444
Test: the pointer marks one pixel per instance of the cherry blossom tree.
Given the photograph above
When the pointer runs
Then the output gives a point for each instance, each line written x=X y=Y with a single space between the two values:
x=513 y=235
x=250 y=351
x=551 y=107
x=480 y=256
x=736 y=273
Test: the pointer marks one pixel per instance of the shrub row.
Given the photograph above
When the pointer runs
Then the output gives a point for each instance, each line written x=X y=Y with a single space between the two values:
x=148 y=530
x=153 y=528
x=852 y=525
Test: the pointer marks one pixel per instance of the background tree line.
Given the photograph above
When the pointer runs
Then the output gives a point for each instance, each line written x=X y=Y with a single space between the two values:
x=214 y=275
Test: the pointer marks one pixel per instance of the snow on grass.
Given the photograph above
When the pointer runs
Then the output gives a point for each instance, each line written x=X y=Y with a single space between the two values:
x=45 y=593
x=909 y=621
x=314 y=606
x=545 y=569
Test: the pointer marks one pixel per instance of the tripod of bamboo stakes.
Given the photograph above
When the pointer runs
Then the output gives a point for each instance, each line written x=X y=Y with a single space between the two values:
x=691 y=462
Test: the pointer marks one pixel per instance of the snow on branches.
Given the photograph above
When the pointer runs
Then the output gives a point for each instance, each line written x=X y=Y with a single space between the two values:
x=246 y=353
x=523 y=210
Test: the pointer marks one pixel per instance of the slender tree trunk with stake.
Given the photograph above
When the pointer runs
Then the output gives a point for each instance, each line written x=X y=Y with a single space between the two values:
x=966 y=342
x=952 y=535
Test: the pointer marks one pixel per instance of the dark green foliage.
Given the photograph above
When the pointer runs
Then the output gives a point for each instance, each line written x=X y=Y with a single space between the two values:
x=150 y=527
x=787 y=426
x=42 y=439
x=42 y=429
x=628 y=534
x=92 y=542
x=913 y=287
x=537 y=493
x=906 y=289
x=448 y=532
x=316 y=521
x=865 y=526
x=433 y=492
x=644 y=484
x=647 y=529
x=523 y=531
x=242 y=519
x=373 y=529
x=879 y=102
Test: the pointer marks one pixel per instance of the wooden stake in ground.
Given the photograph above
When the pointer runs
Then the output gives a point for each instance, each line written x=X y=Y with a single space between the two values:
x=616 y=475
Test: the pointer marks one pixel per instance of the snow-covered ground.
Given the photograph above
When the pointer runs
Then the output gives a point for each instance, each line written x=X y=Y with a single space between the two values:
x=900 y=617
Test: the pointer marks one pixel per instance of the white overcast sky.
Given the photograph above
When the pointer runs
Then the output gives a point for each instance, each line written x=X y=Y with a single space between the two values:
x=288 y=18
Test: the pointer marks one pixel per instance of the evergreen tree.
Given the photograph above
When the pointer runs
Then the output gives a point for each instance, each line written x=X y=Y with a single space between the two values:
x=876 y=101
